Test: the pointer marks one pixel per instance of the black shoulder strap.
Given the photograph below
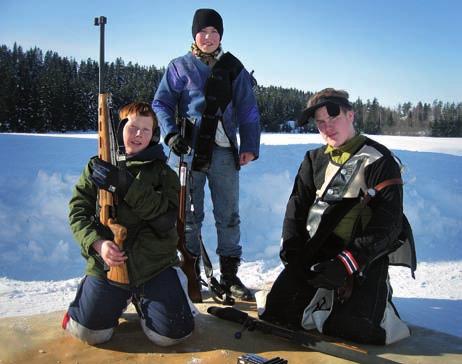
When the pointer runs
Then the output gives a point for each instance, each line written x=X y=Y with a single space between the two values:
x=230 y=63
x=218 y=94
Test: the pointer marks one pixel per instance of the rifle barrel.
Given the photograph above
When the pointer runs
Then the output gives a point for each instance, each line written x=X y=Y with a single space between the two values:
x=101 y=21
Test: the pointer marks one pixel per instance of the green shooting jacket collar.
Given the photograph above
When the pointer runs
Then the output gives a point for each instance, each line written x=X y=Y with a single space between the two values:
x=342 y=153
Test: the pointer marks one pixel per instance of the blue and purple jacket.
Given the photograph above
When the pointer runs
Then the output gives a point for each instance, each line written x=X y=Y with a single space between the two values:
x=183 y=86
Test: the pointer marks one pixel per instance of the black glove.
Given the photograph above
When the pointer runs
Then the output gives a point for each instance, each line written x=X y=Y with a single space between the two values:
x=330 y=274
x=178 y=145
x=111 y=178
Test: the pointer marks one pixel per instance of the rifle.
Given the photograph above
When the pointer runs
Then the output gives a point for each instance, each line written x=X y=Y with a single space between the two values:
x=188 y=261
x=108 y=152
x=308 y=339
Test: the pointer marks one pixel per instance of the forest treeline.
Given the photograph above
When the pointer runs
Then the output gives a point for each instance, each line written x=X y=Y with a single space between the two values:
x=42 y=92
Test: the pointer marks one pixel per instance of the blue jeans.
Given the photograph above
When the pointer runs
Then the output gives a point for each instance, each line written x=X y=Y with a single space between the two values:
x=161 y=302
x=223 y=181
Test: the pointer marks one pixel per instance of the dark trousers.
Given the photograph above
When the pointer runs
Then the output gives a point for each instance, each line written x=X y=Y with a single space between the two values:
x=356 y=319
x=161 y=302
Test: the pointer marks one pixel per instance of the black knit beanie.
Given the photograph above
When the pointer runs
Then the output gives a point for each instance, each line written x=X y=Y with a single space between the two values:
x=206 y=18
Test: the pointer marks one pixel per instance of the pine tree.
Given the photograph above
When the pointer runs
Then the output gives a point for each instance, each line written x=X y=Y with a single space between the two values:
x=41 y=93
x=6 y=86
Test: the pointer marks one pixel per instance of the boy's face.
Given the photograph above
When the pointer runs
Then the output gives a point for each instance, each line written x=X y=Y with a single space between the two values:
x=208 y=39
x=335 y=130
x=137 y=133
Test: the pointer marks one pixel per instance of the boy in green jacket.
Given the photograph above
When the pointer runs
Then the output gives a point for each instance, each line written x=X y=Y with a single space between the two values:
x=147 y=193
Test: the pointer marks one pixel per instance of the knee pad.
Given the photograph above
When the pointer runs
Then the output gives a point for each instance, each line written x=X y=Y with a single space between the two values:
x=395 y=328
x=158 y=339
x=91 y=337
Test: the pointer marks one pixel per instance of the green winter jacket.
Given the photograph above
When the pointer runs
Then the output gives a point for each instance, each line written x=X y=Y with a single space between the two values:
x=153 y=192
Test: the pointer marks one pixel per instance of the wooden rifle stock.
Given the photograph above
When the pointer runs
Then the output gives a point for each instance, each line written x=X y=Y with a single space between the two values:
x=106 y=199
x=107 y=153
x=188 y=261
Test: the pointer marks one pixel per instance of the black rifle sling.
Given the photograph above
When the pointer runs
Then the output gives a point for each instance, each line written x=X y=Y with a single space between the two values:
x=218 y=94
x=218 y=293
x=119 y=152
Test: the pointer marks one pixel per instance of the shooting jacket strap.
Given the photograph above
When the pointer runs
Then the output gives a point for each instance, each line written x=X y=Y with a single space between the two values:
x=218 y=94
x=405 y=254
x=370 y=193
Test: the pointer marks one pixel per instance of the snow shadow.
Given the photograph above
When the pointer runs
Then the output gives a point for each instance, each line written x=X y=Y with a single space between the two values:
x=439 y=314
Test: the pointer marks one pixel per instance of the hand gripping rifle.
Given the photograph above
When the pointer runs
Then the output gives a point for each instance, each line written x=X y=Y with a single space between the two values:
x=109 y=152
x=188 y=261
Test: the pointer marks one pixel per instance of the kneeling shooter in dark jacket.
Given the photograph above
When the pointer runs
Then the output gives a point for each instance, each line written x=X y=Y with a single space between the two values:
x=148 y=205
x=343 y=227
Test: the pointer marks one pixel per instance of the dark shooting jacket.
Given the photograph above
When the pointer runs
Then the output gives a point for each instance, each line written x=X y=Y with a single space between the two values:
x=325 y=192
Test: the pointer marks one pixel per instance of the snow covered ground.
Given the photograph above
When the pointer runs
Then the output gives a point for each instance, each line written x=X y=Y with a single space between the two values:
x=40 y=264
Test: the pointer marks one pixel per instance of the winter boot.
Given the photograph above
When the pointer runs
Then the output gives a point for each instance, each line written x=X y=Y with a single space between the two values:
x=229 y=280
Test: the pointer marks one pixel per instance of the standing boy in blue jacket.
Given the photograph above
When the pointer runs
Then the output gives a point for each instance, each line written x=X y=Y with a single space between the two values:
x=214 y=92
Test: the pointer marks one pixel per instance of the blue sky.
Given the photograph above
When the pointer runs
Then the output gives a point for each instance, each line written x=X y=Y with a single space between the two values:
x=397 y=51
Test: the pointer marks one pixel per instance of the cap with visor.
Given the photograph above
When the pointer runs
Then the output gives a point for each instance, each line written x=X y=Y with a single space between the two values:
x=332 y=104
